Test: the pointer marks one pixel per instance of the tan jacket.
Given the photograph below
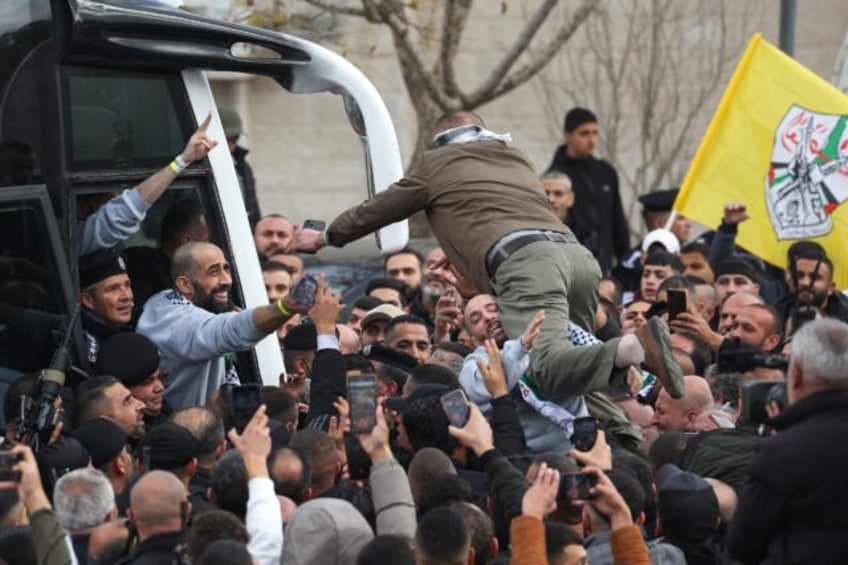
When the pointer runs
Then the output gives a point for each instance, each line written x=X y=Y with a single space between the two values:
x=473 y=194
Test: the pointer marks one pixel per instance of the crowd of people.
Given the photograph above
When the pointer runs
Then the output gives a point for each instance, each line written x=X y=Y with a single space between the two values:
x=677 y=402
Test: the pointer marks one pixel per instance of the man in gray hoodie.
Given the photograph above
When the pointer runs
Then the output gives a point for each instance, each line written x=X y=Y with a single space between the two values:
x=193 y=329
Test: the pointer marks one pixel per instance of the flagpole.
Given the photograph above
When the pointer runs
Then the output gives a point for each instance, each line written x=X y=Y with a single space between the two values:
x=670 y=221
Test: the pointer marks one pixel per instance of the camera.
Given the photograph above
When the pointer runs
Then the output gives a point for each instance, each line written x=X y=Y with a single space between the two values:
x=735 y=356
x=756 y=395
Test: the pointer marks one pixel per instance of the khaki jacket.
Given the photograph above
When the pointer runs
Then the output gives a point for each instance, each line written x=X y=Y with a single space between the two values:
x=473 y=194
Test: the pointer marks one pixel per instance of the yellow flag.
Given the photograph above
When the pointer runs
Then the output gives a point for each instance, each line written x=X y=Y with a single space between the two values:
x=778 y=142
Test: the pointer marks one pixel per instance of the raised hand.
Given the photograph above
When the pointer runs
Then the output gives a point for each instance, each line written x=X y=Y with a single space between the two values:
x=476 y=434
x=254 y=443
x=540 y=499
x=599 y=456
x=199 y=144
x=494 y=377
x=376 y=442
x=735 y=213
x=534 y=328
x=447 y=315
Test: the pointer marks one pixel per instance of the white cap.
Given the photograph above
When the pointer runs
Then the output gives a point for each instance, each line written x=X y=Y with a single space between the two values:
x=664 y=238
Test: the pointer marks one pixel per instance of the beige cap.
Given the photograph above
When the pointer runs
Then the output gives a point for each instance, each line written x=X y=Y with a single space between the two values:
x=382 y=312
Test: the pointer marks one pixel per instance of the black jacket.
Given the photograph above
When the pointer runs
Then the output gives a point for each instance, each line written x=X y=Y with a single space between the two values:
x=793 y=507
x=248 y=185
x=597 y=217
x=156 y=550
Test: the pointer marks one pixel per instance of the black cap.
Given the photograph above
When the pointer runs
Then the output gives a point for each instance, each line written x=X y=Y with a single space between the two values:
x=102 y=438
x=60 y=457
x=399 y=404
x=737 y=266
x=301 y=338
x=129 y=357
x=659 y=200
x=171 y=447
x=389 y=356
x=687 y=504
x=100 y=265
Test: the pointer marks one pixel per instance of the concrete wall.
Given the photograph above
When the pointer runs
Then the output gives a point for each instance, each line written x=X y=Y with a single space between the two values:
x=308 y=163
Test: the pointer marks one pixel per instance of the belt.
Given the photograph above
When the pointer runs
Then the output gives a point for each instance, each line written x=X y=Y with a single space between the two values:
x=500 y=252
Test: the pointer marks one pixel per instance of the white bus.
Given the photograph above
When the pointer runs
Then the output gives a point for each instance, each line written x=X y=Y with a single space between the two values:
x=96 y=96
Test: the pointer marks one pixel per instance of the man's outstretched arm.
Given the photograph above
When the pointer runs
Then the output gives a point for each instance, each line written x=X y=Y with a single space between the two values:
x=119 y=218
x=396 y=203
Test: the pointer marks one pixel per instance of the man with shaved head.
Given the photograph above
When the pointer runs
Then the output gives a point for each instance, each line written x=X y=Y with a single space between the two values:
x=193 y=326
x=158 y=510
x=679 y=415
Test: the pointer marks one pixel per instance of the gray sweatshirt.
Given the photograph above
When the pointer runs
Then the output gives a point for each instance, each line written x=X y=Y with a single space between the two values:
x=192 y=343
x=113 y=223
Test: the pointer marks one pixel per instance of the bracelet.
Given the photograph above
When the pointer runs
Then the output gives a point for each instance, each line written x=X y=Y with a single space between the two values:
x=182 y=162
x=178 y=165
x=282 y=308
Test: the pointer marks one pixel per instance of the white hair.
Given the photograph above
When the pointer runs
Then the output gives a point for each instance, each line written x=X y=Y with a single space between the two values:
x=820 y=351
x=83 y=498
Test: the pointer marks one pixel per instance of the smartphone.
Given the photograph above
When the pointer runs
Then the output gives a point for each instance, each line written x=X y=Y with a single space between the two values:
x=358 y=461
x=676 y=303
x=362 y=397
x=756 y=395
x=455 y=406
x=7 y=461
x=303 y=292
x=245 y=401
x=317 y=225
x=585 y=433
x=576 y=486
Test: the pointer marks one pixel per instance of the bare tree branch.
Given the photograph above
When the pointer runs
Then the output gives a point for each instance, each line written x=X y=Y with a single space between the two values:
x=339 y=9
x=453 y=25
x=408 y=55
x=493 y=86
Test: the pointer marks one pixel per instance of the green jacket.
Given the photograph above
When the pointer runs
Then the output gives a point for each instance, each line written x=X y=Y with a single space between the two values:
x=721 y=454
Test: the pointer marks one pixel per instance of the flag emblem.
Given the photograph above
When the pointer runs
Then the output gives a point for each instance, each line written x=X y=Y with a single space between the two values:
x=808 y=175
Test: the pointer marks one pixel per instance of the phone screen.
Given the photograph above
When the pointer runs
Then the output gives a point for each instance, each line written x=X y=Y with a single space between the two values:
x=362 y=397
x=676 y=303
x=245 y=403
x=585 y=433
x=455 y=406
x=303 y=292
x=358 y=462
x=7 y=461
x=576 y=486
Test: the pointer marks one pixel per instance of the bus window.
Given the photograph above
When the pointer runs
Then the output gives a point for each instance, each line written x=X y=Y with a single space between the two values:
x=26 y=87
x=123 y=120
x=34 y=285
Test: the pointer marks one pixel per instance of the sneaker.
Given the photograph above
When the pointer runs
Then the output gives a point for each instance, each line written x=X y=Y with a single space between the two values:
x=659 y=357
